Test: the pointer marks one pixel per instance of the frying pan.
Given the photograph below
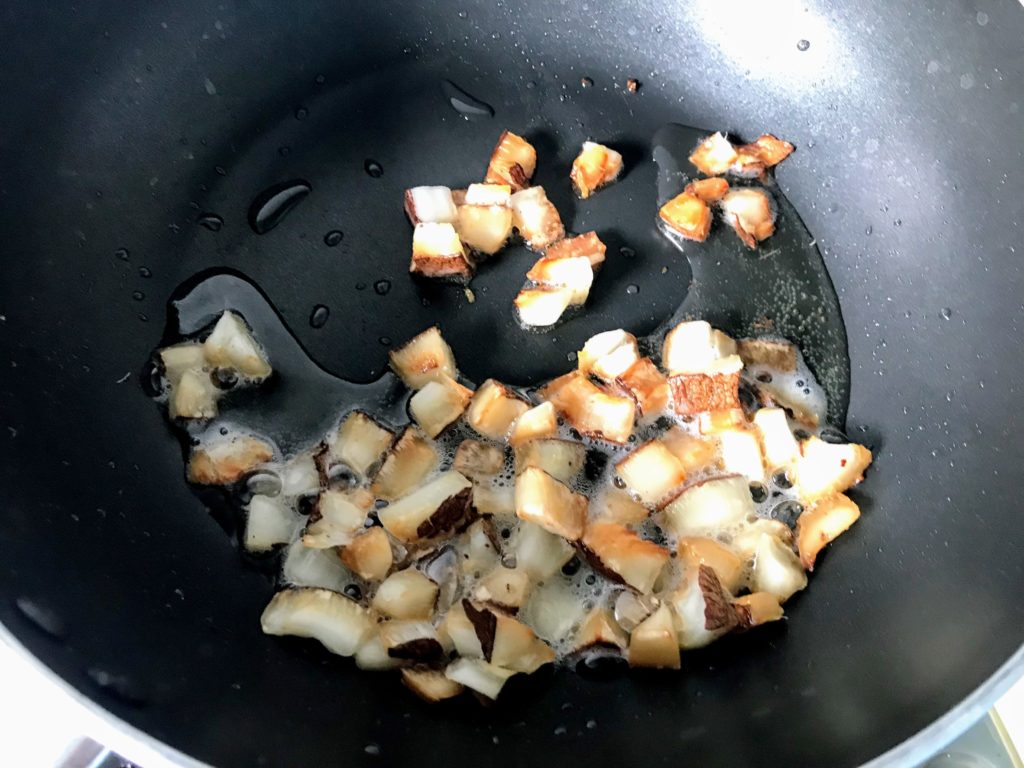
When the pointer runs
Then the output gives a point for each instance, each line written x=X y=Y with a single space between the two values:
x=122 y=126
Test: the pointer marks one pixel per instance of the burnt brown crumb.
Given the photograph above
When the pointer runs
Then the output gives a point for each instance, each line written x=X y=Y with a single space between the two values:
x=719 y=613
x=632 y=85
x=518 y=176
x=485 y=623
x=763 y=324
x=454 y=514
x=322 y=460
x=423 y=649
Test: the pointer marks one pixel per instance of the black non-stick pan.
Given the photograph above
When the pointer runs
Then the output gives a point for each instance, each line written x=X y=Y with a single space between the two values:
x=133 y=141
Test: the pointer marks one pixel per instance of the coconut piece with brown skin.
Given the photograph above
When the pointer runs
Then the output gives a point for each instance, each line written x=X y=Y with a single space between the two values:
x=438 y=404
x=369 y=554
x=442 y=506
x=513 y=162
x=437 y=252
x=494 y=409
x=541 y=499
x=822 y=524
x=226 y=461
x=410 y=459
x=562 y=459
x=592 y=411
x=478 y=460
x=425 y=357
x=594 y=167
x=620 y=553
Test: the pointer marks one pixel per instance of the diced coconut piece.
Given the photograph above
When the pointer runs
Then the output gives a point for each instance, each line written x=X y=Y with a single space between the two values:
x=269 y=521
x=562 y=459
x=369 y=554
x=337 y=622
x=411 y=640
x=599 y=628
x=459 y=630
x=439 y=403
x=193 y=396
x=488 y=194
x=777 y=569
x=475 y=459
x=745 y=541
x=478 y=547
x=437 y=252
x=646 y=385
x=591 y=410
x=542 y=307
x=823 y=523
x=541 y=499
x=517 y=648
x=595 y=166
x=442 y=505
x=710 y=505
x=305 y=473
x=536 y=218
x=493 y=500
x=741 y=453
x=335 y=521
x=373 y=656
x=537 y=423
x=713 y=423
x=540 y=554
x=714 y=155
x=361 y=443
x=619 y=552
x=772 y=393
x=305 y=567
x=651 y=472
x=180 y=358
x=554 y=610
x=573 y=272
x=765 y=152
x=425 y=357
x=430 y=684
x=709 y=190
x=477 y=675
x=494 y=408
x=505 y=588
x=588 y=244
x=780 y=446
x=615 y=505
x=406 y=594
x=728 y=567
x=432 y=205
x=778 y=355
x=749 y=211
x=485 y=228
x=688 y=216
x=695 y=453
x=513 y=162
x=653 y=643
x=827 y=468
x=226 y=461
x=694 y=346
x=608 y=355
x=231 y=345
x=755 y=609
x=703 y=610
x=410 y=460
x=694 y=393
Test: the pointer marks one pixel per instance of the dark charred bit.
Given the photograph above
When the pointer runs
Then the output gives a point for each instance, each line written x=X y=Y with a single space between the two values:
x=455 y=514
x=322 y=460
x=595 y=562
x=518 y=175
x=719 y=613
x=423 y=649
x=486 y=625
x=632 y=85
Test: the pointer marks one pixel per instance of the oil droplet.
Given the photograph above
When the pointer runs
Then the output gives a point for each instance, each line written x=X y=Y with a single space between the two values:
x=360 y=286
x=145 y=272
x=385 y=341
x=42 y=617
x=320 y=79
x=946 y=313
x=463 y=15
x=319 y=315
x=138 y=295
x=372 y=749
x=627 y=252
x=301 y=113
x=586 y=82
x=122 y=254
x=632 y=289
x=284 y=151
x=869 y=230
x=803 y=45
x=382 y=287
x=210 y=221
x=464 y=103
x=272 y=204
x=374 y=169
x=220 y=171
x=333 y=238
